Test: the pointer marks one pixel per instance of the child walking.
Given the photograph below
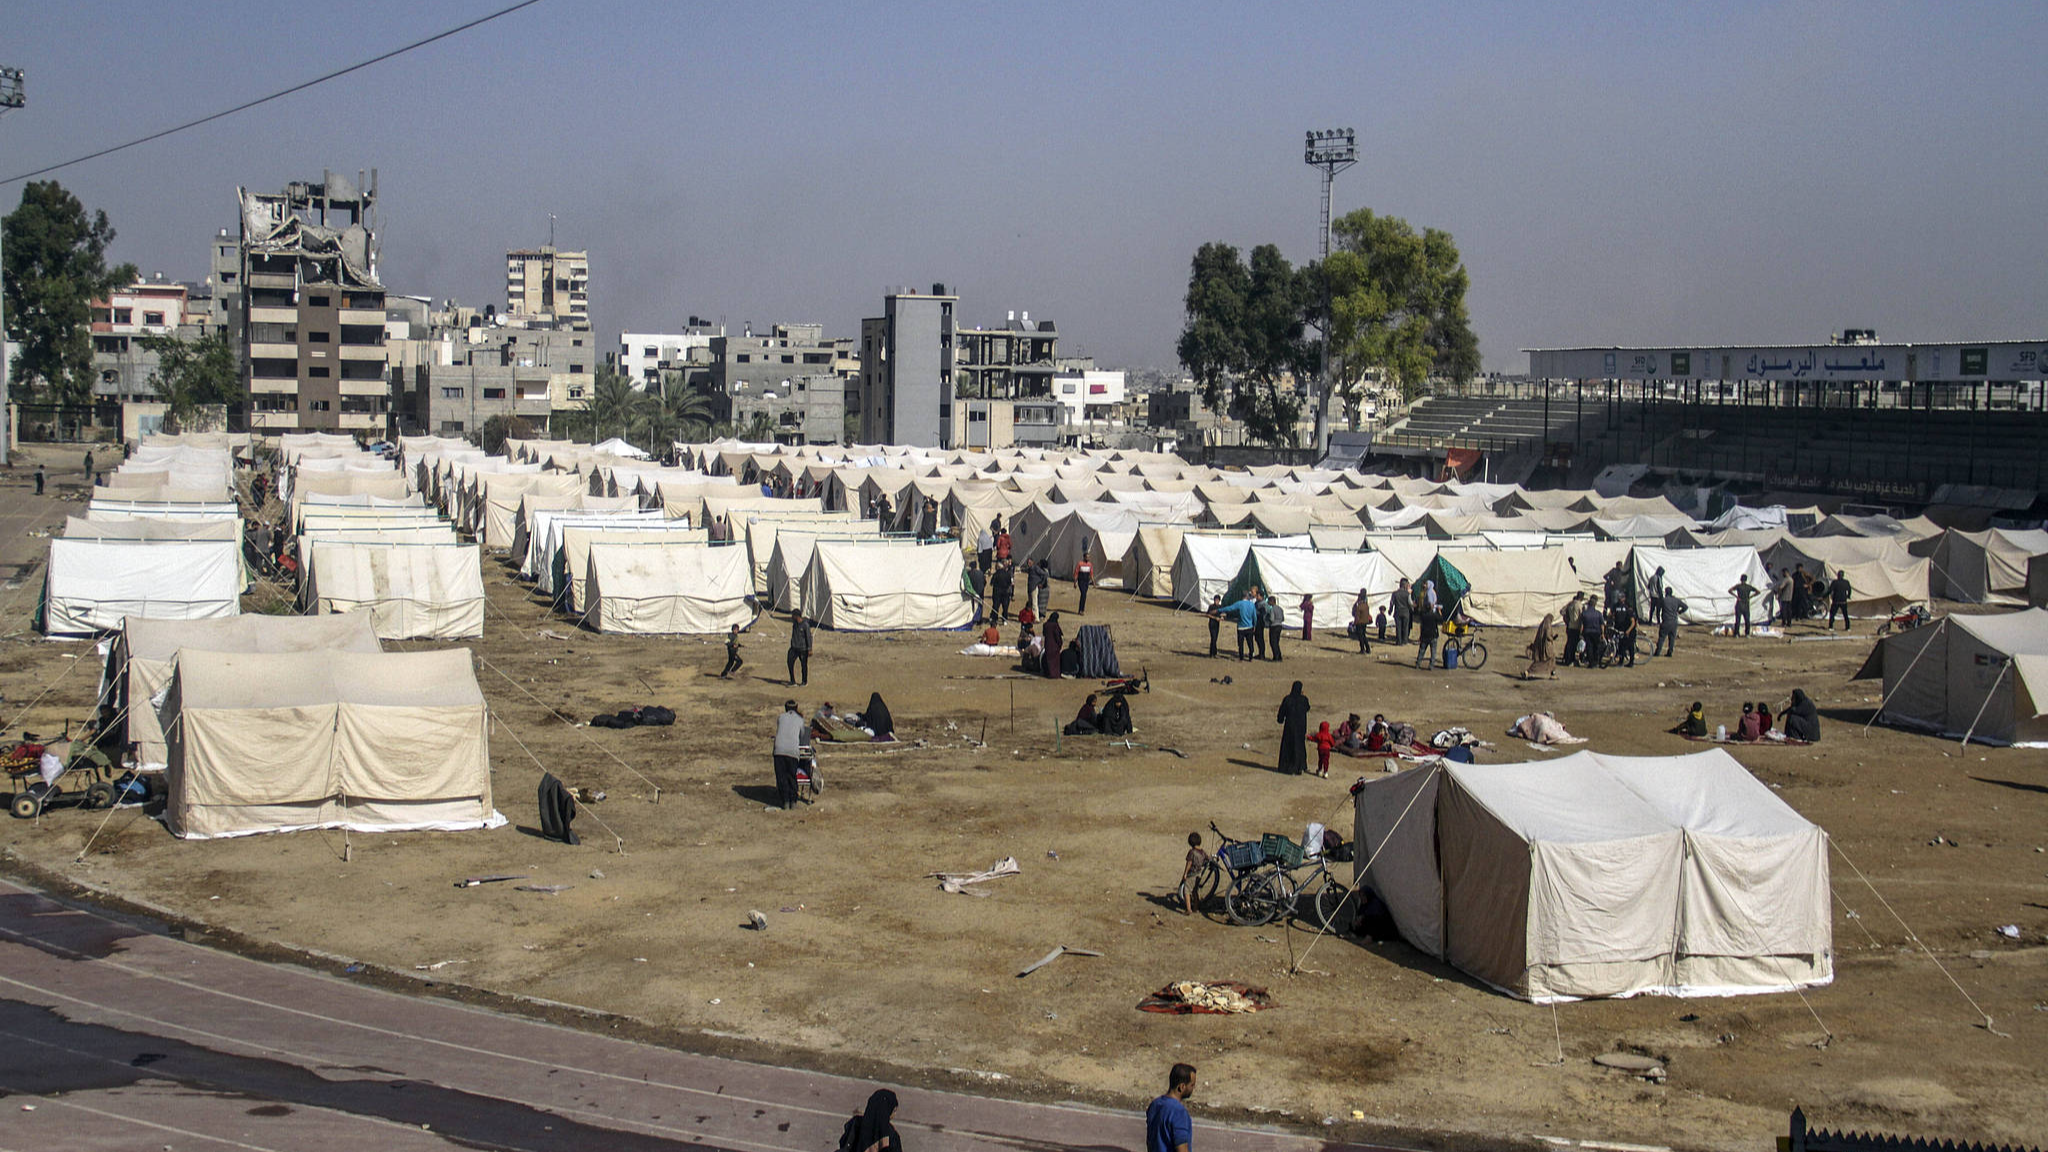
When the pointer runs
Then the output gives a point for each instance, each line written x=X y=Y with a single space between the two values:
x=732 y=653
x=1324 y=742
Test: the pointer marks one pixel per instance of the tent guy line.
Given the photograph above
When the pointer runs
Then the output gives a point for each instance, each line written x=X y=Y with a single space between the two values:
x=1985 y=1017
x=581 y=809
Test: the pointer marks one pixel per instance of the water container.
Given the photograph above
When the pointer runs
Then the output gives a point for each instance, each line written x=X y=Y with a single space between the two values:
x=1450 y=657
x=1721 y=732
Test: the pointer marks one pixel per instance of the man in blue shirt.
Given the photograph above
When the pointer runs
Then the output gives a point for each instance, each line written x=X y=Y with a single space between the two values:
x=1167 y=1126
x=1246 y=612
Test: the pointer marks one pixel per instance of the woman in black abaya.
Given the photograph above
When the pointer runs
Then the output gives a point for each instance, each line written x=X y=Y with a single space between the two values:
x=1293 y=719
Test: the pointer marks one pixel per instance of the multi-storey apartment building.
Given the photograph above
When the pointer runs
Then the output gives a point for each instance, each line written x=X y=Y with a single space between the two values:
x=548 y=288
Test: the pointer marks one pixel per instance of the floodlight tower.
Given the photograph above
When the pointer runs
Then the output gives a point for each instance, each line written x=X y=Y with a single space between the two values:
x=10 y=98
x=1332 y=150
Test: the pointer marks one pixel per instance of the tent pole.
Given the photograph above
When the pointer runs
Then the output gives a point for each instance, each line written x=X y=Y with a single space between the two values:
x=2004 y=667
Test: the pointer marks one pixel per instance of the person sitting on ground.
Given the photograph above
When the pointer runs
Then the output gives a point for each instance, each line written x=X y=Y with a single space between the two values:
x=1746 y=729
x=823 y=721
x=1070 y=660
x=1764 y=727
x=1116 y=716
x=1084 y=722
x=1695 y=722
x=991 y=636
x=1030 y=650
x=1802 y=719
x=1379 y=735
x=1197 y=860
x=1350 y=735
x=876 y=719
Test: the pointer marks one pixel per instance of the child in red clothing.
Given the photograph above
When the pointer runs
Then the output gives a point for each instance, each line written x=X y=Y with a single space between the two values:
x=1324 y=742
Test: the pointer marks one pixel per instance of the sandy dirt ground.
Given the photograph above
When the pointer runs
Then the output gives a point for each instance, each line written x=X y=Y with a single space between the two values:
x=866 y=963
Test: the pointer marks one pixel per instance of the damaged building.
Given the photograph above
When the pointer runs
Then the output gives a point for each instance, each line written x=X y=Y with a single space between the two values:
x=312 y=331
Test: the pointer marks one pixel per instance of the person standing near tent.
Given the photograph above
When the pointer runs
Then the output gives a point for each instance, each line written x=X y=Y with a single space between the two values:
x=1802 y=596
x=1275 y=619
x=985 y=548
x=789 y=742
x=1055 y=636
x=1001 y=586
x=1037 y=582
x=1839 y=592
x=1669 y=608
x=1656 y=605
x=1215 y=614
x=732 y=654
x=1592 y=630
x=1743 y=592
x=1626 y=631
x=1246 y=613
x=1084 y=575
x=1293 y=721
x=1003 y=544
x=1572 y=610
x=1308 y=618
x=1404 y=611
x=799 y=648
x=1168 y=1127
x=1425 y=636
x=39 y=479
x=1542 y=650
x=1361 y=620
x=1779 y=601
x=88 y=466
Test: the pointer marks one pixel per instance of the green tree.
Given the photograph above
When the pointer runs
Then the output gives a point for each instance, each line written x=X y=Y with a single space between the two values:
x=56 y=266
x=498 y=429
x=615 y=406
x=1245 y=340
x=760 y=428
x=1397 y=304
x=683 y=414
x=192 y=373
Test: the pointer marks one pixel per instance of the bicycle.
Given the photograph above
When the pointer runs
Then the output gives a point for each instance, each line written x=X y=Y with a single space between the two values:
x=1324 y=891
x=1462 y=646
x=1254 y=890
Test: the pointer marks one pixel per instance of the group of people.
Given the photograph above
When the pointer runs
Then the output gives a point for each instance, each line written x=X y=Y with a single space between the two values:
x=1259 y=619
x=1045 y=652
x=1793 y=594
x=1800 y=721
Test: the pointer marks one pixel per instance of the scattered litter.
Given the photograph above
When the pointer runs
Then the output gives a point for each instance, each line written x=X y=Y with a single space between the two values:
x=2010 y=931
x=715 y=1000
x=550 y=889
x=554 y=635
x=1358 y=1113
x=1184 y=997
x=352 y=969
x=956 y=883
x=1052 y=853
x=1643 y=1067
x=757 y=920
x=643 y=960
x=1049 y=957
x=1981 y=954
x=473 y=881
x=596 y=875
x=437 y=965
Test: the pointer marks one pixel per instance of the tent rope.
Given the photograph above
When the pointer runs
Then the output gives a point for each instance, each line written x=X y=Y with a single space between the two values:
x=572 y=725
x=2003 y=667
x=1322 y=929
x=1887 y=697
x=1985 y=1020
x=619 y=840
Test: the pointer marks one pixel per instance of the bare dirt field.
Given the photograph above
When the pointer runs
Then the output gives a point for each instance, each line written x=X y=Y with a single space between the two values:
x=867 y=965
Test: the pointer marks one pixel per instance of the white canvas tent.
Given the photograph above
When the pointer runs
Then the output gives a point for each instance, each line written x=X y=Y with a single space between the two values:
x=412 y=591
x=572 y=561
x=1985 y=676
x=1207 y=563
x=1883 y=577
x=792 y=556
x=1331 y=580
x=281 y=742
x=1511 y=589
x=1988 y=567
x=93 y=584
x=873 y=587
x=1702 y=577
x=144 y=653
x=1602 y=876
x=663 y=588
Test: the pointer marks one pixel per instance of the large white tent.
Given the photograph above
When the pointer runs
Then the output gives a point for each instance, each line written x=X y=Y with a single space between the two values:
x=1602 y=876
x=281 y=742
x=794 y=546
x=872 y=587
x=571 y=574
x=143 y=656
x=93 y=584
x=1331 y=580
x=1883 y=576
x=667 y=588
x=1207 y=563
x=1988 y=567
x=1508 y=589
x=412 y=591
x=1986 y=676
x=1701 y=577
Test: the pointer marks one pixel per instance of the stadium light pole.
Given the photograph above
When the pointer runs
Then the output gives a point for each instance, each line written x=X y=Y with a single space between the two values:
x=1331 y=150
x=10 y=98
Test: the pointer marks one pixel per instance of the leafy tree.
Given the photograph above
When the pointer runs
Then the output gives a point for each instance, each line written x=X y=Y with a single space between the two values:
x=1397 y=304
x=55 y=267
x=683 y=414
x=193 y=373
x=760 y=428
x=1245 y=338
x=614 y=407
x=498 y=429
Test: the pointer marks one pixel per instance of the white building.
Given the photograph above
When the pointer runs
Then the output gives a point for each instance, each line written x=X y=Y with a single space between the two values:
x=1086 y=396
x=644 y=356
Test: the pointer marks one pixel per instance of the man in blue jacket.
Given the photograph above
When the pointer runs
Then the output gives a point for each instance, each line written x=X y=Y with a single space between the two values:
x=1246 y=613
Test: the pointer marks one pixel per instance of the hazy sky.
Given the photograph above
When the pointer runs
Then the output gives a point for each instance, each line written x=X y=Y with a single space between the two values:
x=1614 y=172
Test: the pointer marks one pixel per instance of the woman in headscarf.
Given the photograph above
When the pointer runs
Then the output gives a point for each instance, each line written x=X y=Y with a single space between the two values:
x=1801 y=718
x=1748 y=729
x=1054 y=637
x=1086 y=722
x=1695 y=722
x=876 y=718
x=1542 y=650
x=871 y=1131
x=1293 y=721
x=1764 y=727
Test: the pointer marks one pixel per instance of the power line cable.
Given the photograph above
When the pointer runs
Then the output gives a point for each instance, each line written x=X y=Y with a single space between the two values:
x=275 y=95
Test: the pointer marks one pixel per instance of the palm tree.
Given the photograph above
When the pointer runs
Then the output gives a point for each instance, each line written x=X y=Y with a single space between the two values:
x=692 y=411
x=615 y=406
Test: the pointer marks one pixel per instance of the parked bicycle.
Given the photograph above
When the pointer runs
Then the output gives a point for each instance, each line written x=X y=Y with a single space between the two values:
x=1462 y=646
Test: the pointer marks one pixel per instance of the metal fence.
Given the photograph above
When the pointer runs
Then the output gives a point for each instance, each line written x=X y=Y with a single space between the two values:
x=1804 y=1139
